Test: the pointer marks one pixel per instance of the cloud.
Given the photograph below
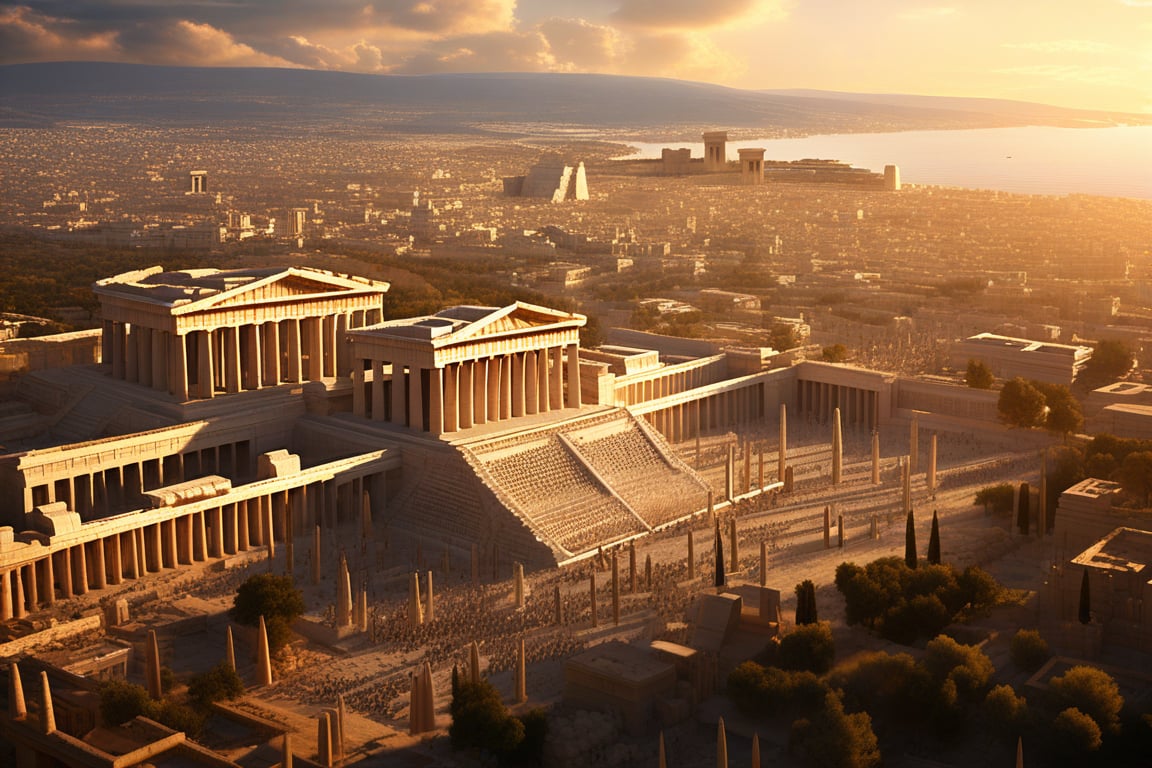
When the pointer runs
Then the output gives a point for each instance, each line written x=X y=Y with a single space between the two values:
x=26 y=35
x=694 y=14
x=579 y=45
x=186 y=42
x=491 y=52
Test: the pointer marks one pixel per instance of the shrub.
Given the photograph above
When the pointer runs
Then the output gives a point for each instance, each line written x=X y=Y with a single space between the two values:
x=758 y=690
x=1029 y=650
x=883 y=682
x=965 y=665
x=530 y=751
x=922 y=616
x=481 y=721
x=1077 y=731
x=979 y=588
x=808 y=647
x=120 y=701
x=1004 y=711
x=274 y=598
x=836 y=739
x=1093 y=692
x=217 y=684
x=180 y=717
x=997 y=499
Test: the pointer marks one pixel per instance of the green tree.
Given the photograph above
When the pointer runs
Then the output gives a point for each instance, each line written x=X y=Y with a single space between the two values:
x=1077 y=731
x=806 y=602
x=996 y=499
x=967 y=666
x=481 y=721
x=782 y=337
x=910 y=541
x=1029 y=650
x=1020 y=404
x=217 y=684
x=808 y=647
x=719 y=556
x=837 y=353
x=1005 y=711
x=934 y=541
x=1111 y=360
x=273 y=597
x=979 y=588
x=979 y=375
x=836 y=739
x=1135 y=475
x=120 y=701
x=1064 y=414
x=1093 y=692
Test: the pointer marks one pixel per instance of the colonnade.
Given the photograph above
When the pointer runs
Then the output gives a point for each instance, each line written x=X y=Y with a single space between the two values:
x=688 y=419
x=467 y=393
x=214 y=528
x=819 y=399
x=199 y=363
x=672 y=380
x=103 y=492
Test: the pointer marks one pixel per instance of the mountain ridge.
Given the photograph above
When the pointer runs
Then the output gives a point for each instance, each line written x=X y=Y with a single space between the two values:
x=53 y=92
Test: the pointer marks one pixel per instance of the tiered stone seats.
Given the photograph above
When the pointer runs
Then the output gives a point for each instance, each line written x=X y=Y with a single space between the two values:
x=562 y=500
x=657 y=487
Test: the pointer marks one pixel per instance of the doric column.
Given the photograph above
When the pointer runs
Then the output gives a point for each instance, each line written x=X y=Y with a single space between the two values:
x=231 y=337
x=48 y=585
x=331 y=337
x=480 y=391
x=505 y=377
x=543 y=391
x=436 y=400
x=464 y=394
x=556 y=379
x=415 y=399
x=5 y=595
x=358 y=405
x=399 y=387
x=341 y=345
x=143 y=354
x=159 y=360
x=492 y=368
x=517 y=384
x=378 y=409
x=99 y=569
x=65 y=556
x=531 y=384
x=271 y=375
x=171 y=544
x=199 y=538
x=251 y=358
x=132 y=559
x=178 y=380
x=230 y=528
x=217 y=549
x=18 y=599
x=119 y=342
x=451 y=389
x=80 y=570
x=315 y=348
x=243 y=536
x=206 y=375
x=116 y=572
x=573 y=376
x=295 y=356
x=132 y=353
x=107 y=329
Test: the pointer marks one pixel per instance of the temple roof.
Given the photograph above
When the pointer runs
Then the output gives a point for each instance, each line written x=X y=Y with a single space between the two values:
x=468 y=323
x=193 y=290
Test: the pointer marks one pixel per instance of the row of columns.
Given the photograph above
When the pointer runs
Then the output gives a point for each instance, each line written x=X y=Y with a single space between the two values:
x=663 y=385
x=167 y=544
x=200 y=363
x=819 y=399
x=103 y=492
x=691 y=419
x=468 y=393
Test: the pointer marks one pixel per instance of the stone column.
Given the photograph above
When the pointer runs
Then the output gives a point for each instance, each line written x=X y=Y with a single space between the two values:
x=464 y=393
x=451 y=400
x=573 y=356
x=271 y=375
x=379 y=412
x=837 y=448
x=875 y=457
x=521 y=675
x=480 y=392
x=358 y=404
x=543 y=387
x=132 y=353
x=48 y=586
x=932 y=465
x=506 y=387
x=295 y=371
x=250 y=375
x=531 y=384
x=204 y=373
x=518 y=393
x=152 y=666
x=914 y=444
x=399 y=386
x=556 y=379
x=18 y=598
x=159 y=360
x=783 y=447
x=436 y=400
x=492 y=366
x=328 y=324
x=80 y=570
x=243 y=536
x=415 y=399
x=6 y=595
x=99 y=570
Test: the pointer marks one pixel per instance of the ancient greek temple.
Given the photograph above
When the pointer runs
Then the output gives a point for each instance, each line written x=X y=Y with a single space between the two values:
x=200 y=332
x=467 y=366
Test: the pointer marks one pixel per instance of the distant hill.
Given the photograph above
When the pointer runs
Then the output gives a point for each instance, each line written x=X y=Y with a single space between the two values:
x=33 y=95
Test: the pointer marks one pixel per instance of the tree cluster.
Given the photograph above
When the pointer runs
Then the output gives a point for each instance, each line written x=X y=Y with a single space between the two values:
x=1111 y=360
x=1027 y=404
x=273 y=597
x=904 y=604
x=806 y=603
x=481 y=723
x=997 y=499
x=979 y=375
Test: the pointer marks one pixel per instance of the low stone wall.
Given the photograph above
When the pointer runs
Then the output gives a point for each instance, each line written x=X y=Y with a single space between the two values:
x=19 y=356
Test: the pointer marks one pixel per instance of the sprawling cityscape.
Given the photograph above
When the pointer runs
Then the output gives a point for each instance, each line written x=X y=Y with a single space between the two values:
x=390 y=442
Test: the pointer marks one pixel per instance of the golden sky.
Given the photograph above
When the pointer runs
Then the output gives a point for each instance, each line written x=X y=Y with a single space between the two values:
x=1076 y=53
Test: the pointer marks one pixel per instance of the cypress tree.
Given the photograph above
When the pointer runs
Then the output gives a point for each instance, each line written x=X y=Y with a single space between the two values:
x=719 y=556
x=910 y=542
x=1023 y=515
x=801 y=603
x=455 y=682
x=934 y=542
x=812 y=618
x=1085 y=600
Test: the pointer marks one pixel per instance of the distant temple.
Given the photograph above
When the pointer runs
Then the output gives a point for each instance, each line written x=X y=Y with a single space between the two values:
x=550 y=179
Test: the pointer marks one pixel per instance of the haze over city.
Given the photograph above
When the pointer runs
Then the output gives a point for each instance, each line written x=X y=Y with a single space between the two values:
x=589 y=384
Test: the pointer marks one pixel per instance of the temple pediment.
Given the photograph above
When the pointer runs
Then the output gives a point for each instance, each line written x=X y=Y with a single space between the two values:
x=284 y=285
x=481 y=322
